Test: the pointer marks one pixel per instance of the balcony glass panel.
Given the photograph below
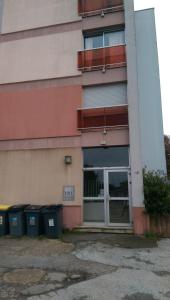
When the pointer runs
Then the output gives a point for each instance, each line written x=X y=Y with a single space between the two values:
x=87 y=6
x=98 y=58
x=102 y=117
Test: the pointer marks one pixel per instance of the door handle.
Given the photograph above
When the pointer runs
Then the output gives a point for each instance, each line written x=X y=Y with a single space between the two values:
x=107 y=198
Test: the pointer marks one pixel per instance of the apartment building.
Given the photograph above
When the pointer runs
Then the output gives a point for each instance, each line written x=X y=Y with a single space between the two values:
x=167 y=153
x=80 y=108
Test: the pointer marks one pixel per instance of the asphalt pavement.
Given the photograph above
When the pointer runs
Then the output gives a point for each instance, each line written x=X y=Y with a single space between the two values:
x=85 y=267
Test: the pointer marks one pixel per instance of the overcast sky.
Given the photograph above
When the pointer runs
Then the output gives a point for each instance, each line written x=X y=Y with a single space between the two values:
x=162 y=12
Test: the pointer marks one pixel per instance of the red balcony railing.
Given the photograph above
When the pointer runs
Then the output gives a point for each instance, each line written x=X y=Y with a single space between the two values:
x=108 y=57
x=91 y=7
x=102 y=117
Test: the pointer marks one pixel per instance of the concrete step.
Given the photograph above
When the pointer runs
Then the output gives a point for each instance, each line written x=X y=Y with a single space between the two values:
x=118 y=230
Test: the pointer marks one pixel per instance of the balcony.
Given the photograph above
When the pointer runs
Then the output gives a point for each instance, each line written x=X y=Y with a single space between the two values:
x=104 y=117
x=95 y=7
x=102 y=58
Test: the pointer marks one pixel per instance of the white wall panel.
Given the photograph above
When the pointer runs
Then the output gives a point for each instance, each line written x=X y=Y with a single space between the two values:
x=150 y=110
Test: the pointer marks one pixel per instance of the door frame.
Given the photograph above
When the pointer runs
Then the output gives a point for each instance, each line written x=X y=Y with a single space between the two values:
x=106 y=170
x=108 y=198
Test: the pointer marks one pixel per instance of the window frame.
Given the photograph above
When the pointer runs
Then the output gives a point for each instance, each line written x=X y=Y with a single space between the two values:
x=111 y=148
x=103 y=33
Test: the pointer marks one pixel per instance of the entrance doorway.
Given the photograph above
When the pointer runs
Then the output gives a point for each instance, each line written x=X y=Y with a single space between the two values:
x=107 y=197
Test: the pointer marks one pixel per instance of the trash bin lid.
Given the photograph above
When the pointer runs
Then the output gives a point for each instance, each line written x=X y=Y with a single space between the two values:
x=4 y=207
x=33 y=208
x=18 y=207
x=52 y=208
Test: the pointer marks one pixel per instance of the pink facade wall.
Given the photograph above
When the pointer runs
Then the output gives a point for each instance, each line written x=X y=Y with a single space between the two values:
x=143 y=223
x=72 y=216
x=139 y=220
x=39 y=113
x=159 y=225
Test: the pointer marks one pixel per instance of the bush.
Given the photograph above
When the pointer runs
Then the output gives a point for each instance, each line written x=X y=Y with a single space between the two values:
x=156 y=194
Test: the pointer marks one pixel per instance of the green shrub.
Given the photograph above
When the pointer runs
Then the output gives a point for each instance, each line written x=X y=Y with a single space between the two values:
x=151 y=235
x=156 y=193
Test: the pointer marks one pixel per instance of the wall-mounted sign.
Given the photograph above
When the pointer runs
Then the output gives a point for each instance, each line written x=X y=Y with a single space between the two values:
x=69 y=193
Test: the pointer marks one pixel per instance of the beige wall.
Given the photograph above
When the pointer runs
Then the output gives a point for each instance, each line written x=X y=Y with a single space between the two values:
x=38 y=176
x=27 y=14
x=41 y=57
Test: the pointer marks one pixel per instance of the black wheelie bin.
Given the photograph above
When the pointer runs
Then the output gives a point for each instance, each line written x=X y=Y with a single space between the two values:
x=34 y=220
x=17 y=222
x=53 y=221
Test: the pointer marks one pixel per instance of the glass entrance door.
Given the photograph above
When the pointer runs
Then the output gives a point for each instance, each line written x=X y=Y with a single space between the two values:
x=106 y=186
x=106 y=197
x=117 y=197
x=94 y=197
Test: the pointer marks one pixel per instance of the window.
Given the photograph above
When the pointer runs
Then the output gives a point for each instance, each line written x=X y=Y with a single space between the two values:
x=114 y=38
x=105 y=95
x=106 y=157
x=94 y=42
x=93 y=183
x=105 y=39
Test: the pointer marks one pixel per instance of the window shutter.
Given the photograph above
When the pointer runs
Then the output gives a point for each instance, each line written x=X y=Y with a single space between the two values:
x=105 y=95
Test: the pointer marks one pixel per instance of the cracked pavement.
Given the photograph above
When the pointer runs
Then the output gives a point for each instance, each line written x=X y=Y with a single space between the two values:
x=85 y=267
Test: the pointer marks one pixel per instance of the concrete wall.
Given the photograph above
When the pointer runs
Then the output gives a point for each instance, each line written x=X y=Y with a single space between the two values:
x=133 y=102
x=40 y=57
x=38 y=176
x=39 y=113
x=116 y=19
x=1 y=13
x=118 y=136
x=110 y=76
x=27 y=14
x=151 y=125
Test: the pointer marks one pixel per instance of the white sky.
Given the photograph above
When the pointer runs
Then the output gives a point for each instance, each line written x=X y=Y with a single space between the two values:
x=162 y=12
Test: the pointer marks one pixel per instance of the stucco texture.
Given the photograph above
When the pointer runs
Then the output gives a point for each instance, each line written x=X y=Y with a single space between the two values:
x=39 y=113
x=42 y=57
x=28 y=14
x=38 y=176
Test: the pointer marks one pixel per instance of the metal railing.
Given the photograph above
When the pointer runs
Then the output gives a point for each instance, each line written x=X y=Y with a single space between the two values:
x=93 y=7
x=108 y=57
x=103 y=117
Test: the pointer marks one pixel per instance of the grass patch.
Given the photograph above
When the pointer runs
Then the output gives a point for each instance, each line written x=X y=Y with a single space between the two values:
x=151 y=235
